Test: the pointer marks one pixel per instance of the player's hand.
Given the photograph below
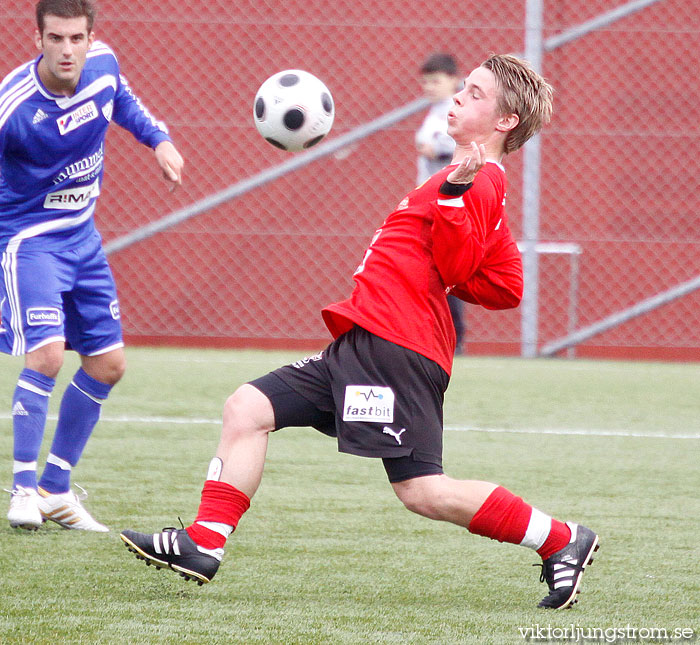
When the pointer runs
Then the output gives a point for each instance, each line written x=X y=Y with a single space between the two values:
x=425 y=150
x=470 y=165
x=170 y=162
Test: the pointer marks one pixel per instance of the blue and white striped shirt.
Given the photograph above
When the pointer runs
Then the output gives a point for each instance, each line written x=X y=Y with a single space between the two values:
x=52 y=150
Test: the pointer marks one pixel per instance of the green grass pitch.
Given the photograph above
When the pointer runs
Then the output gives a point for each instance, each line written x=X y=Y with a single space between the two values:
x=327 y=554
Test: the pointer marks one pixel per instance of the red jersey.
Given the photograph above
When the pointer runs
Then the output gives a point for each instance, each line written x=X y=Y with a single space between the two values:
x=431 y=245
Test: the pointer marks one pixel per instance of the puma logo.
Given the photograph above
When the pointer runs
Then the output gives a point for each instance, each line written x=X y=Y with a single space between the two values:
x=396 y=435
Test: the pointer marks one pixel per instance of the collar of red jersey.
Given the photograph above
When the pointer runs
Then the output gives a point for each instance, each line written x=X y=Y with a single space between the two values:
x=498 y=163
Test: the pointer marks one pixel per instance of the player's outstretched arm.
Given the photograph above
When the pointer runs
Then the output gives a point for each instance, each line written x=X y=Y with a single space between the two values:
x=170 y=162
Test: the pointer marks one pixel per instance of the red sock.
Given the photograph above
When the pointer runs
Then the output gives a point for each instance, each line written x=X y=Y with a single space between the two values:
x=507 y=518
x=220 y=503
x=558 y=538
x=503 y=517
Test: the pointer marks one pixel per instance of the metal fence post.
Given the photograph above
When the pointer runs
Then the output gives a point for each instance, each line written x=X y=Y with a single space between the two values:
x=534 y=47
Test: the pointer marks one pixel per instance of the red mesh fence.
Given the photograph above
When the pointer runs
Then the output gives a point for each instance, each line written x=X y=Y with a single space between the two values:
x=619 y=176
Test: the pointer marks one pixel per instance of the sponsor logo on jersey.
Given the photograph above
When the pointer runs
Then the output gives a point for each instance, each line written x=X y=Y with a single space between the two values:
x=84 y=169
x=107 y=110
x=308 y=359
x=114 y=309
x=39 y=116
x=80 y=116
x=43 y=316
x=73 y=199
x=403 y=204
x=368 y=403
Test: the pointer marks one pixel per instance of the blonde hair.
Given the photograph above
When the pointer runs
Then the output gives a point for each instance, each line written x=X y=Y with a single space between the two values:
x=524 y=92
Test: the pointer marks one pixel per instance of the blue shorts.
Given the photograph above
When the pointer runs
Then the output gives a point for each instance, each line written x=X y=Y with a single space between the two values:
x=67 y=296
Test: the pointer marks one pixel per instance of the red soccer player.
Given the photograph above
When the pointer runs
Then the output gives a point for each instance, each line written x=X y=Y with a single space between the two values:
x=379 y=386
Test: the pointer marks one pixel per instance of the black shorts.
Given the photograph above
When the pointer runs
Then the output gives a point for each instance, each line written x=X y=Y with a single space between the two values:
x=379 y=399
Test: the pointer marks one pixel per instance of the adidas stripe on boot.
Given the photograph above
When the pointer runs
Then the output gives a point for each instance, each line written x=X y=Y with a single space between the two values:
x=174 y=548
x=563 y=571
x=67 y=510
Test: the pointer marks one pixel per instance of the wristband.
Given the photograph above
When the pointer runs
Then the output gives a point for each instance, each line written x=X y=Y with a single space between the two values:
x=454 y=190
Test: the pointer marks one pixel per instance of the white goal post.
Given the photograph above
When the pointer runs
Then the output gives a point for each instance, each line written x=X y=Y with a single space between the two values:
x=573 y=251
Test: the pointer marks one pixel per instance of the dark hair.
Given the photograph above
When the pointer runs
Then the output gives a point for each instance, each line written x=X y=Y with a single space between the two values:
x=439 y=63
x=65 y=9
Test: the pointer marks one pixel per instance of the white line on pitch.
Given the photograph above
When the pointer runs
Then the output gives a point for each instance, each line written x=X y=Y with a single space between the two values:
x=451 y=428
x=567 y=431
x=155 y=420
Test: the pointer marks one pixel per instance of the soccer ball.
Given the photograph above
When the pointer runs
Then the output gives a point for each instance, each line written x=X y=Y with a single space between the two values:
x=293 y=110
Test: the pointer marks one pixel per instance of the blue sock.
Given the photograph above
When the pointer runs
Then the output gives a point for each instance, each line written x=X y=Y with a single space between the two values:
x=79 y=413
x=30 y=405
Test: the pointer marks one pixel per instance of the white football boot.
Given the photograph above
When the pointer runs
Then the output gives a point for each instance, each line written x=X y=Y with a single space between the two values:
x=67 y=510
x=24 y=509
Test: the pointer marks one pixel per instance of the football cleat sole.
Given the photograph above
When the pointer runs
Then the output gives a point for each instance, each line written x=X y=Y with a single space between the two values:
x=161 y=564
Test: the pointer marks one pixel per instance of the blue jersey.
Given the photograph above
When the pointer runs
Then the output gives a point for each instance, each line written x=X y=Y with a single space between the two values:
x=52 y=150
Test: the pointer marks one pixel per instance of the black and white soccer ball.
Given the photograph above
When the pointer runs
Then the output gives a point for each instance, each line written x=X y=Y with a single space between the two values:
x=293 y=110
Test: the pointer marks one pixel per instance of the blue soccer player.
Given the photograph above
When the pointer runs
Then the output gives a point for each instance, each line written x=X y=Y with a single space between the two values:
x=57 y=289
